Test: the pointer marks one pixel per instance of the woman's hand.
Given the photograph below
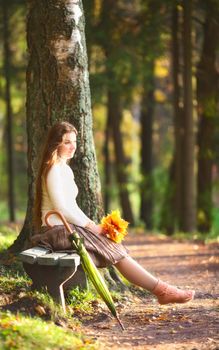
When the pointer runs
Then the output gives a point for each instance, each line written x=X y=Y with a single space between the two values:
x=95 y=228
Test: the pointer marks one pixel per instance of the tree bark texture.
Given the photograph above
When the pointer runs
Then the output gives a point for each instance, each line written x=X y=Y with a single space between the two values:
x=208 y=96
x=58 y=89
x=9 y=128
x=188 y=176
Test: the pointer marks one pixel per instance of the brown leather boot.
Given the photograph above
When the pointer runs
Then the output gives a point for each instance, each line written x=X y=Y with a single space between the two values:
x=169 y=294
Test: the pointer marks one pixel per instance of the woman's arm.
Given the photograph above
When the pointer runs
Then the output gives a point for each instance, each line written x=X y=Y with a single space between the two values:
x=57 y=197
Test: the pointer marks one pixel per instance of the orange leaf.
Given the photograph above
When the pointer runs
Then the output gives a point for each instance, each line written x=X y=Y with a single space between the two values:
x=114 y=226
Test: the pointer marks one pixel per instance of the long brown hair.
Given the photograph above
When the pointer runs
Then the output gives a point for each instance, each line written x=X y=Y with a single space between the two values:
x=48 y=158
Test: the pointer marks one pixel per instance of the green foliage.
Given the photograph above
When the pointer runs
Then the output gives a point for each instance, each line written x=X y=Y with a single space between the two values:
x=81 y=299
x=9 y=282
x=18 y=332
x=7 y=236
x=12 y=275
x=206 y=237
x=214 y=234
x=160 y=177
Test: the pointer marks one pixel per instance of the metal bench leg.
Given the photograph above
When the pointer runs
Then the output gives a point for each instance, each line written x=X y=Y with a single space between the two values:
x=61 y=290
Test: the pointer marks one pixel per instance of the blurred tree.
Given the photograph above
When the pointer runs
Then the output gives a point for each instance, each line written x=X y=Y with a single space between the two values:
x=115 y=118
x=16 y=89
x=147 y=112
x=112 y=21
x=171 y=214
x=92 y=11
x=176 y=189
x=208 y=98
x=58 y=89
x=5 y=5
x=107 y=165
x=188 y=223
x=150 y=46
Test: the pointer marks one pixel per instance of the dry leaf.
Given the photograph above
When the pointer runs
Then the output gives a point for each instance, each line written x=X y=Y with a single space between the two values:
x=40 y=310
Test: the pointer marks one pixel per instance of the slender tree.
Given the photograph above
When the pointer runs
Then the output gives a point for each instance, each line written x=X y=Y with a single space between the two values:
x=9 y=124
x=107 y=165
x=58 y=89
x=115 y=117
x=111 y=38
x=188 y=175
x=147 y=113
x=178 y=117
x=150 y=48
x=171 y=214
x=208 y=97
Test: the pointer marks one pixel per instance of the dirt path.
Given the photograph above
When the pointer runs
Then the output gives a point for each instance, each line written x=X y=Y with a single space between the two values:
x=191 y=326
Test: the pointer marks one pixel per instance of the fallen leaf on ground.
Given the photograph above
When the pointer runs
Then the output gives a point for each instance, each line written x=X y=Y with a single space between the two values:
x=40 y=310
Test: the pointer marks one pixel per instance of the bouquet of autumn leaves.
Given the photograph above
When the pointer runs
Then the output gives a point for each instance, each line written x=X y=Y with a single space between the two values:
x=114 y=226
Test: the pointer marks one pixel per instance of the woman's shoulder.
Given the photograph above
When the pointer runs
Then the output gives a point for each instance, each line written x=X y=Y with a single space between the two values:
x=60 y=168
x=55 y=169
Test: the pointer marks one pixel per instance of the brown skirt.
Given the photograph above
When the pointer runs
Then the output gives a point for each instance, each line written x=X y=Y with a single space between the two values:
x=102 y=250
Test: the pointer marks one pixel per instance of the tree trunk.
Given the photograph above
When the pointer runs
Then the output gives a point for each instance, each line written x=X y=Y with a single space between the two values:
x=188 y=178
x=171 y=213
x=106 y=166
x=115 y=117
x=147 y=111
x=109 y=19
x=9 y=132
x=207 y=94
x=58 y=89
x=178 y=122
x=167 y=216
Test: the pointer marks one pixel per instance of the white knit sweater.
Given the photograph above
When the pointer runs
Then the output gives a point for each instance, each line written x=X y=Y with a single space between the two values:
x=60 y=192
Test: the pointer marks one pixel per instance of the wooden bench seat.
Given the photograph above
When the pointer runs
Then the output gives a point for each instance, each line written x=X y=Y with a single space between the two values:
x=56 y=272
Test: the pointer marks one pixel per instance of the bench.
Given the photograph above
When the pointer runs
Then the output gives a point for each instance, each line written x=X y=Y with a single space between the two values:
x=57 y=272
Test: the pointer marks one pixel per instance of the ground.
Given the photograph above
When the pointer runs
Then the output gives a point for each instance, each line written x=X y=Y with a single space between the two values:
x=190 y=326
x=148 y=325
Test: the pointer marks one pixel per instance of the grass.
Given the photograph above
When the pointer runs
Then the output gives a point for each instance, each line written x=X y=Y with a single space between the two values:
x=82 y=299
x=25 y=333
x=35 y=327
x=10 y=283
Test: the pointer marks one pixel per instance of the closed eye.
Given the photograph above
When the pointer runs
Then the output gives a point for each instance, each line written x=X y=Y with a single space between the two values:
x=69 y=142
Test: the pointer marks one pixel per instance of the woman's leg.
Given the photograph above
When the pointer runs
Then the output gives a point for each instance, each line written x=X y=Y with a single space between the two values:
x=136 y=274
x=165 y=293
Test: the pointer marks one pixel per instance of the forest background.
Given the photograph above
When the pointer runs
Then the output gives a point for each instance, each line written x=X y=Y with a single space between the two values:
x=154 y=86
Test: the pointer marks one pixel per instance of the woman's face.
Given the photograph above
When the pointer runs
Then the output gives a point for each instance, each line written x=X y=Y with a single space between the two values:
x=67 y=148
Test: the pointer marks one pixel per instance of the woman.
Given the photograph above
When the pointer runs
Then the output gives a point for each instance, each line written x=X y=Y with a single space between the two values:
x=56 y=190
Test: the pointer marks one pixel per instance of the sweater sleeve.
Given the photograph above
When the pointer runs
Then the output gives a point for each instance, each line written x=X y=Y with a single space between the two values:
x=72 y=212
